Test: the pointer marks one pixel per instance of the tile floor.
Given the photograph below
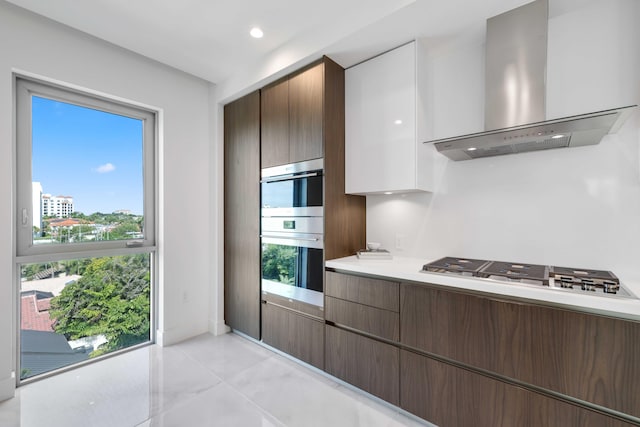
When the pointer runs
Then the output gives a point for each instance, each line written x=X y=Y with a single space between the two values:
x=206 y=381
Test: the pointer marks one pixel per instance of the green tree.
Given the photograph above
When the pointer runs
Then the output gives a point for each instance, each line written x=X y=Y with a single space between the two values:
x=120 y=232
x=111 y=299
x=76 y=266
x=278 y=263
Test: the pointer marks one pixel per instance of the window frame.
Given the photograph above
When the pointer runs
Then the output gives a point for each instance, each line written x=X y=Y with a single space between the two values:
x=26 y=251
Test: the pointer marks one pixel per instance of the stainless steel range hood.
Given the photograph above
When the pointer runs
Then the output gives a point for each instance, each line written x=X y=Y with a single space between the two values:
x=515 y=74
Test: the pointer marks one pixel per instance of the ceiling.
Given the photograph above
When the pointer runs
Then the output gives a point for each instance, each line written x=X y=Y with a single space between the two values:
x=210 y=39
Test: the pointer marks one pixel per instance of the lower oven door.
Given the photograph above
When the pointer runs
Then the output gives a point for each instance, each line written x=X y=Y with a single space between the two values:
x=293 y=259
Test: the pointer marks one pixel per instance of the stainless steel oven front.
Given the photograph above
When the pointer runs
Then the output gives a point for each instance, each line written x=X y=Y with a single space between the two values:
x=294 y=259
x=293 y=190
x=292 y=226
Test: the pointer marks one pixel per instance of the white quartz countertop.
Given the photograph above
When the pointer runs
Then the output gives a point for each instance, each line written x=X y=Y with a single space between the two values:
x=410 y=269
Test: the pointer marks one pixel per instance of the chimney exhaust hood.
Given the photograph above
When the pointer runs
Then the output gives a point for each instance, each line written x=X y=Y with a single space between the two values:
x=515 y=73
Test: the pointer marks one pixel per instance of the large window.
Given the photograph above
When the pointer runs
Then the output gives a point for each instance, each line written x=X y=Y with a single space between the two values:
x=85 y=225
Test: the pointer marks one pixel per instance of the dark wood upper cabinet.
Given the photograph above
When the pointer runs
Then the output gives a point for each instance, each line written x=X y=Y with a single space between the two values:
x=242 y=214
x=293 y=116
x=588 y=357
x=306 y=98
x=275 y=124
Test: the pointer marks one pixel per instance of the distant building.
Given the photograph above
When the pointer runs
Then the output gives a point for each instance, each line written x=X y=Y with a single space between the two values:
x=122 y=212
x=56 y=206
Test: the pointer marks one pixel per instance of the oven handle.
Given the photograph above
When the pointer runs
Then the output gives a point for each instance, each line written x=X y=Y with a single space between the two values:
x=305 y=242
x=289 y=177
x=303 y=239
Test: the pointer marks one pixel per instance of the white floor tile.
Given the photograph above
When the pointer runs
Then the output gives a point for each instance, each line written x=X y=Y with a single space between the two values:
x=220 y=406
x=297 y=399
x=205 y=381
x=226 y=355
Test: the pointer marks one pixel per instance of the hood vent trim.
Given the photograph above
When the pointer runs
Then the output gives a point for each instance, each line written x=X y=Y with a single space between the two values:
x=573 y=131
x=518 y=38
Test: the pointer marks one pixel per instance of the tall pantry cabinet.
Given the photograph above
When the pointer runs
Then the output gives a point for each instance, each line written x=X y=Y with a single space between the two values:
x=242 y=215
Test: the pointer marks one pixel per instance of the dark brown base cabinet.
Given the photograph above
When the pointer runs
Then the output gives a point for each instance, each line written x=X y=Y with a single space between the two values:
x=461 y=359
x=366 y=363
x=369 y=308
x=450 y=396
x=294 y=333
x=588 y=357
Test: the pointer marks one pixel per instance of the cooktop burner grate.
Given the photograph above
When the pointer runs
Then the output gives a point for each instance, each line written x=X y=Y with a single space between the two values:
x=528 y=273
x=576 y=280
x=463 y=266
x=588 y=280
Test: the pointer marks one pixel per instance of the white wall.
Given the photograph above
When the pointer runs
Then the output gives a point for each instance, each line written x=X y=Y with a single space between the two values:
x=32 y=44
x=577 y=207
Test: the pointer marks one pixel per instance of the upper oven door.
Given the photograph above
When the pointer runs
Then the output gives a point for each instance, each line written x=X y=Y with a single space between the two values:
x=292 y=190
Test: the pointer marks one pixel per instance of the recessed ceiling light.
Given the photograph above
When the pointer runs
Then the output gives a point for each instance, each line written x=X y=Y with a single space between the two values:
x=256 y=33
x=557 y=136
x=471 y=149
x=398 y=122
x=388 y=192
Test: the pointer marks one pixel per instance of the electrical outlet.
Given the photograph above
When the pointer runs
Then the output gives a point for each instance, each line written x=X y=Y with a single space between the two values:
x=185 y=296
x=399 y=242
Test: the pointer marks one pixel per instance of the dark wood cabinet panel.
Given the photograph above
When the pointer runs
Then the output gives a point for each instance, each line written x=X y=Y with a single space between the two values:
x=345 y=221
x=292 y=118
x=242 y=215
x=368 y=364
x=300 y=336
x=450 y=396
x=374 y=292
x=306 y=91
x=589 y=357
x=375 y=321
x=275 y=124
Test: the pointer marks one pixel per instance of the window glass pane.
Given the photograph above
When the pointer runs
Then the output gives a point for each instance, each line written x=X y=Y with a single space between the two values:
x=74 y=310
x=87 y=174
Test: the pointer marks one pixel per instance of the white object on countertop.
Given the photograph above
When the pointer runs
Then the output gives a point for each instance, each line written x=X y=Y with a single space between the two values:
x=373 y=246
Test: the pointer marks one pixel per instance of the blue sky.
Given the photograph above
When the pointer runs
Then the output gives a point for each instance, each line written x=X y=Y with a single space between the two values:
x=93 y=156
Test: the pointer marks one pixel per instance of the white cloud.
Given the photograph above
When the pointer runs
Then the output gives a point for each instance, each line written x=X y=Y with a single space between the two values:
x=106 y=168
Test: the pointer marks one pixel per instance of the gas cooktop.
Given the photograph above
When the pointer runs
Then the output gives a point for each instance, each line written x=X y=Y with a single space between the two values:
x=577 y=280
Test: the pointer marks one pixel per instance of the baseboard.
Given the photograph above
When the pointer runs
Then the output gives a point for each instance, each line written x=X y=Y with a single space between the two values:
x=7 y=388
x=173 y=336
x=217 y=327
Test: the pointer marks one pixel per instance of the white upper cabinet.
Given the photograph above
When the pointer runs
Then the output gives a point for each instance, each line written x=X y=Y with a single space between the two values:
x=384 y=150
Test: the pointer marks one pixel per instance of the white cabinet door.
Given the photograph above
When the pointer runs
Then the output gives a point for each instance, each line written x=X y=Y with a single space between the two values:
x=381 y=149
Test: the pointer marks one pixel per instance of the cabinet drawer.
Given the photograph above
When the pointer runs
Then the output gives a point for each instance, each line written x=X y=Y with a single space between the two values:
x=368 y=364
x=374 y=292
x=300 y=336
x=375 y=321
x=450 y=396
x=588 y=357
x=303 y=307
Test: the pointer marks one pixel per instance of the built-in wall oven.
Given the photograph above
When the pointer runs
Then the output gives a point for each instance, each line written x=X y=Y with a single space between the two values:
x=292 y=226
